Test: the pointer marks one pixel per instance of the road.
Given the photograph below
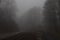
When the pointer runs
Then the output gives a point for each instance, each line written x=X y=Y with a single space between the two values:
x=26 y=36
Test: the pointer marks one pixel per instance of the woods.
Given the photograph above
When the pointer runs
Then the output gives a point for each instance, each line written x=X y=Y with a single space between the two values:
x=30 y=22
x=7 y=14
x=51 y=13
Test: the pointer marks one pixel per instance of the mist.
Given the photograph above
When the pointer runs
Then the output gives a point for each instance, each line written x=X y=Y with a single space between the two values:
x=21 y=15
x=24 y=5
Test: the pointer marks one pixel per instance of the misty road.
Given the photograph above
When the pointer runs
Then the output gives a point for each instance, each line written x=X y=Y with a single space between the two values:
x=26 y=36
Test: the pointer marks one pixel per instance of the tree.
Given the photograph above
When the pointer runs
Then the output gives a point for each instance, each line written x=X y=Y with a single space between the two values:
x=51 y=13
x=7 y=12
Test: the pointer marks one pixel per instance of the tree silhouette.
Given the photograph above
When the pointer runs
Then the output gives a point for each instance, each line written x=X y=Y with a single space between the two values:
x=51 y=13
x=7 y=12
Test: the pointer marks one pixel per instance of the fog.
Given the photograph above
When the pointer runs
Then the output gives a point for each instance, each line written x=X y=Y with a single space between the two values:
x=23 y=7
x=29 y=17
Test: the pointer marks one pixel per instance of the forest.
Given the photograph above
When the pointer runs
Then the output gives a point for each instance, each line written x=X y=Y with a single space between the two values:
x=38 y=22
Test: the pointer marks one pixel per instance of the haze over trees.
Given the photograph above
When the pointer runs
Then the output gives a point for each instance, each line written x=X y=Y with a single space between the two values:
x=50 y=14
x=30 y=20
x=7 y=14
x=51 y=18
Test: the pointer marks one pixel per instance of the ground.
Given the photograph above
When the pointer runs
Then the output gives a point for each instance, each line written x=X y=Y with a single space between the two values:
x=26 y=36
